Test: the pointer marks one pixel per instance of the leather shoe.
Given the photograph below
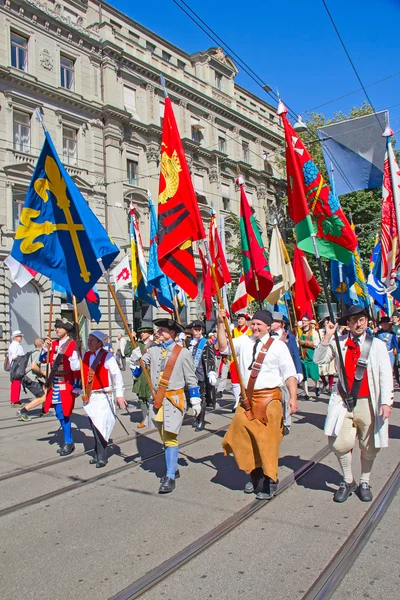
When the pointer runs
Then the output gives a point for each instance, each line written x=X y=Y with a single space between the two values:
x=364 y=492
x=67 y=449
x=269 y=489
x=195 y=422
x=200 y=426
x=164 y=479
x=219 y=394
x=345 y=490
x=93 y=461
x=141 y=425
x=286 y=430
x=101 y=463
x=167 y=486
x=255 y=479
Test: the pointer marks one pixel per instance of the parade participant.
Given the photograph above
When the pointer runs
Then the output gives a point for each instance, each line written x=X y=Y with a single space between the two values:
x=327 y=372
x=308 y=341
x=265 y=365
x=107 y=344
x=140 y=385
x=241 y=329
x=15 y=349
x=279 y=331
x=102 y=376
x=64 y=368
x=389 y=338
x=171 y=369
x=205 y=368
x=369 y=377
x=396 y=328
x=120 y=354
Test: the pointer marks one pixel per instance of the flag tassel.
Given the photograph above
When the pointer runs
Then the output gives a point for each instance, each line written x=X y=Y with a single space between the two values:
x=245 y=401
x=348 y=400
x=125 y=323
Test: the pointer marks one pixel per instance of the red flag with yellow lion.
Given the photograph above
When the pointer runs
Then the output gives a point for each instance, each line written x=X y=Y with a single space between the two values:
x=179 y=220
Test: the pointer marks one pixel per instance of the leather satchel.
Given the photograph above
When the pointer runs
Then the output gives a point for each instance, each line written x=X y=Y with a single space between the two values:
x=166 y=376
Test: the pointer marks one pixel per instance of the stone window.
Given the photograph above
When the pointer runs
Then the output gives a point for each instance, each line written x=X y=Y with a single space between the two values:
x=22 y=131
x=19 y=51
x=130 y=99
x=226 y=200
x=69 y=146
x=151 y=47
x=181 y=64
x=166 y=56
x=245 y=150
x=222 y=144
x=67 y=72
x=197 y=136
x=18 y=197
x=218 y=80
x=198 y=183
x=132 y=172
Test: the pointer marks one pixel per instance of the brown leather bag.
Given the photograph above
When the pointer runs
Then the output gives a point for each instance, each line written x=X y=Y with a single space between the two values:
x=164 y=380
x=261 y=398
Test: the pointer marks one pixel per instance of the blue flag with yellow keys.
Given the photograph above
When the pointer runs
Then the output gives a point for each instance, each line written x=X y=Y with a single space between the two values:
x=58 y=234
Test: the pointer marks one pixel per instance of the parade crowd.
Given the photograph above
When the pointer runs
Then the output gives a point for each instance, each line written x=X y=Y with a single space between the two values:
x=176 y=367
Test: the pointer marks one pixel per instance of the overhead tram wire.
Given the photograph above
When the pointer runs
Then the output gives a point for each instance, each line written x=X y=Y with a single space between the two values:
x=256 y=78
x=350 y=61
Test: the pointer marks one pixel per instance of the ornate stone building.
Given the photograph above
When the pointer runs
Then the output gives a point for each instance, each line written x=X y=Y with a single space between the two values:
x=95 y=75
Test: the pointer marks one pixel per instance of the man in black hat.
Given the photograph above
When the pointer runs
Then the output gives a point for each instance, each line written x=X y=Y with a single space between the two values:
x=369 y=377
x=171 y=370
x=205 y=369
x=389 y=338
x=265 y=366
x=64 y=369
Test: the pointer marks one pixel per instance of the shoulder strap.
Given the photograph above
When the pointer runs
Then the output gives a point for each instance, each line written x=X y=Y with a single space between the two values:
x=199 y=350
x=56 y=364
x=164 y=380
x=91 y=373
x=256 y=368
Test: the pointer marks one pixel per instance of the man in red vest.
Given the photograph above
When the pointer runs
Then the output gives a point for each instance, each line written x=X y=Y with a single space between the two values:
x=102 y=375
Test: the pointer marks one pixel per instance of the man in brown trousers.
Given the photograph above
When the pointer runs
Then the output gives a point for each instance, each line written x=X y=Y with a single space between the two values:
x=265 y=365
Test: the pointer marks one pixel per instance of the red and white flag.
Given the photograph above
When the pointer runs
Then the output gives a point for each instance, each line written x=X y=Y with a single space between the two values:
x=222 y=273
x=306 y=288
x=242 y=298
x=390 y=217
x=122 y=274
x=20 y=274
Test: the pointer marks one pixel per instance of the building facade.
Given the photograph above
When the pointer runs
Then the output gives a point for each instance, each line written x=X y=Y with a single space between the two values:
x=94 y=73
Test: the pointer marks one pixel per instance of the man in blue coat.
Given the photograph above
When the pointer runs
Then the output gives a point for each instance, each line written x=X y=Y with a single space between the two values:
x=279 y=330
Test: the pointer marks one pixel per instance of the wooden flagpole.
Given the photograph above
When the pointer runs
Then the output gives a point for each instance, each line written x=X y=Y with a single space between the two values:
x=78 y=339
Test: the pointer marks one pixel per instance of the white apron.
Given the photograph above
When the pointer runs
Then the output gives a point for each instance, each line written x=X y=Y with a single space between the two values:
x=101 y=410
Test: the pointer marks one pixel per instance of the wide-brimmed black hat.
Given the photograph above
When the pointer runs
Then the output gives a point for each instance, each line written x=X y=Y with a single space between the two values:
x=169 y=324
x=145 y=329
x=64 y=324
x=385 y=320
x=353 y=310
x=197 y=323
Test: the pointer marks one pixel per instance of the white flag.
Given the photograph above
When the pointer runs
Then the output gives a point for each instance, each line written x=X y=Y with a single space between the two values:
x=122 y=274
x=20 y=274
x=280 y=267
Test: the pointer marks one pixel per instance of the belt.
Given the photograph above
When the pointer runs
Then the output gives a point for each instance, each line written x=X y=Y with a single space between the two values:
x=106 y=391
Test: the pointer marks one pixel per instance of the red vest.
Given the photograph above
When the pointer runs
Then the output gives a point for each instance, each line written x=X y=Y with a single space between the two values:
x=100 y=379
x=66 y=379
x=353 y=353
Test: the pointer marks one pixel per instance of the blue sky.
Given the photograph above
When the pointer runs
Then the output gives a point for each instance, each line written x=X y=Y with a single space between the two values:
x=292 y=45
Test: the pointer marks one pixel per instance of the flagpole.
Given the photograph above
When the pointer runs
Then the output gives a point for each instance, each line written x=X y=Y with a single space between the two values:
x=50 y=330
x=245 y=401
x=76 y=319
x=125 y=323
x=348 y=400
x=288 y=312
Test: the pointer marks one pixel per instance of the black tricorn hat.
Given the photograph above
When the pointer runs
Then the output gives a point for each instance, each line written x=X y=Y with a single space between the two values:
x=169 y=324
x=197 y=323
x=64 y=324
x=353 y=310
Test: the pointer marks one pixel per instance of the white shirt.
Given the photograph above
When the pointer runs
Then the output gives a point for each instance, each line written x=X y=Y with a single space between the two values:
x=114 y=373
x=15 y=349
x=122 y=344
x=277 y=367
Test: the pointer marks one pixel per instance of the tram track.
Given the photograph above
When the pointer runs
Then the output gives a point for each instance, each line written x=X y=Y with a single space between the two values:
x=105 y=474
x=55 y=461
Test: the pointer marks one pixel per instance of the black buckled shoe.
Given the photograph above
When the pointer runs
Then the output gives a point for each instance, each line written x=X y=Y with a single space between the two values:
x=200 y=426
x=364 y=492
x=345 y=490
x=67 y=449
x=167 y=486
x=255 y=480
x=269 y=489
x=164 y=479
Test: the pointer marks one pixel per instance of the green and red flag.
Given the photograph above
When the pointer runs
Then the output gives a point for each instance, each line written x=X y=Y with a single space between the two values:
x=313 y=207
x=179 y=219
x=254 y=257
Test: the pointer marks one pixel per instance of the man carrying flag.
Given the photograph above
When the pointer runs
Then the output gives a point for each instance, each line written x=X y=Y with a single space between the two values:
x=179 y=220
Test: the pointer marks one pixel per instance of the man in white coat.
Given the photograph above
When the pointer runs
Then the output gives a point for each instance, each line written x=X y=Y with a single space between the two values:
x=373 y=400
x=103 y=381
